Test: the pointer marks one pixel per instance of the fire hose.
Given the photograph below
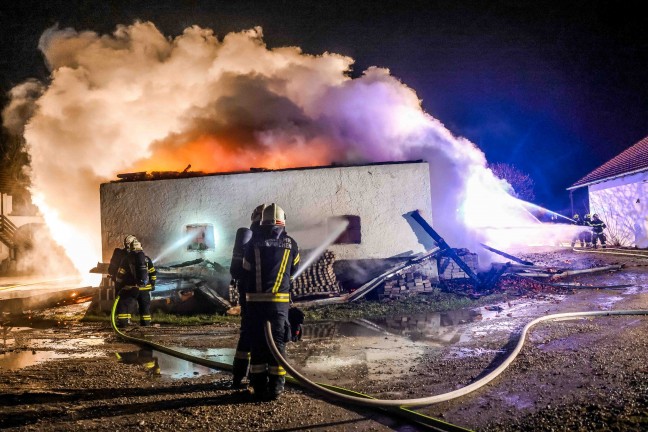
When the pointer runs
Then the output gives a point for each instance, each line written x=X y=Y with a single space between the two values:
x=614 y=251
x=428 y=422
x=440 y=397
x=394 y=406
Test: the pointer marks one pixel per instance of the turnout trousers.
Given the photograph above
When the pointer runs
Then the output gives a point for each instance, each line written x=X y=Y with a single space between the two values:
x=266 y=376
x=144 y=306
x=127 y=301
x=242 y=356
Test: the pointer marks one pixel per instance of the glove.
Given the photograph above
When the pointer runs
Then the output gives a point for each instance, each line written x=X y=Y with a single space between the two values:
x=296 y=319
x=296 y=333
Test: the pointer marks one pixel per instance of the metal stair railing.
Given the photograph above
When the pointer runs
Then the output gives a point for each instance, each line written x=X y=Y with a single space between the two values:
x=7 y=232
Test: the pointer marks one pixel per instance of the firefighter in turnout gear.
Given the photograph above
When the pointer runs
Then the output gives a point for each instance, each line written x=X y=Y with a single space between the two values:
x=144 y=297
x=132 y=274
x=597 y=231
x=587 y=234
x=243 y=238
x=270 y=260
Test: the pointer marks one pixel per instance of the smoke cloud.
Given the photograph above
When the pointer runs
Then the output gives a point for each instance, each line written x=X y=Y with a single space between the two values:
x=137 y=100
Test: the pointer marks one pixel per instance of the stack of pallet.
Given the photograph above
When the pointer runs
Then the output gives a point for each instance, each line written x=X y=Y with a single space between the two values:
x=406 y=284
x=317 y=280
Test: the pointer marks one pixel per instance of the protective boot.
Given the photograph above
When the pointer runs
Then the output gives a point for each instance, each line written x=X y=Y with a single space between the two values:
x=123 y=320
x=259 y=383
x=276 y=386
x=240 y=368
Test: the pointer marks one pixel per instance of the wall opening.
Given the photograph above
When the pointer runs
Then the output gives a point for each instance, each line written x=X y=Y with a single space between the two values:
x=201 y=237
x=352 y=234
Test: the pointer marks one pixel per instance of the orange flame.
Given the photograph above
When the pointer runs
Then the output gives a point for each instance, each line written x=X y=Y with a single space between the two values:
x=210 y=154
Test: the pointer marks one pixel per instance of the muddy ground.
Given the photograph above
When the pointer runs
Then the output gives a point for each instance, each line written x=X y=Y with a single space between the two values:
x=581 y=374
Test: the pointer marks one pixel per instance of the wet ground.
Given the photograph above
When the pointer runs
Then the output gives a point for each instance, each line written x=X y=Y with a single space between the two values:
x=581 y=374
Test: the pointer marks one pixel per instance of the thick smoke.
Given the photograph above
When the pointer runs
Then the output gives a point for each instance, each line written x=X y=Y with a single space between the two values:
x=137 y=100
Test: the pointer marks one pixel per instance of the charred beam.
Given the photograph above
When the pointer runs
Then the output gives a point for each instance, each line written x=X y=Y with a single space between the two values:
x=445 y=248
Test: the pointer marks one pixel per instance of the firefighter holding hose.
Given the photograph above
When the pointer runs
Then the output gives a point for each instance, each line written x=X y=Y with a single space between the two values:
x=243 y=238
x=269 y=262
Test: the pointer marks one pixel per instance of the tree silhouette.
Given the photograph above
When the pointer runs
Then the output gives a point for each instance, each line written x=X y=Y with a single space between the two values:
x=522 y=184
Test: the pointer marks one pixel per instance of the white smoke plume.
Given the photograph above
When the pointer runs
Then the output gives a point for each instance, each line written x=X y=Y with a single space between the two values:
x=138 y=100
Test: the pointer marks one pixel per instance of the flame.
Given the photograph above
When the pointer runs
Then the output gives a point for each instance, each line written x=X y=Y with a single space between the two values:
x=217 y=154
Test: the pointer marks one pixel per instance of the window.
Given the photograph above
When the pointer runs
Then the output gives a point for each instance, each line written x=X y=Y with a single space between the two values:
x=352 y=234
x=201 y=237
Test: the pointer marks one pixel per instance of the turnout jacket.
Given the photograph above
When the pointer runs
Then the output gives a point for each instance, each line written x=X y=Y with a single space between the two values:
x=270 y=260
x=152 y=276
x=597 y=226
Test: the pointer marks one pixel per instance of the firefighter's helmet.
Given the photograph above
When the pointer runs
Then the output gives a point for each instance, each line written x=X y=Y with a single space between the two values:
x=128 y=240
x=595 y=216
x=257 y=213
x=575 y=216
x=273 y=215
x=135 y=245
x=588 y=216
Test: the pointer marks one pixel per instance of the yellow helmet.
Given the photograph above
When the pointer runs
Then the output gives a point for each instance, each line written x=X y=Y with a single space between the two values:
x=273 y=215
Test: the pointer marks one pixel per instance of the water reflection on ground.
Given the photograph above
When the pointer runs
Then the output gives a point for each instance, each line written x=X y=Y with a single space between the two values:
x=159 y=363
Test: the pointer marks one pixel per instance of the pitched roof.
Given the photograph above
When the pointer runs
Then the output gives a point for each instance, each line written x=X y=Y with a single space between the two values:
x=629 y=161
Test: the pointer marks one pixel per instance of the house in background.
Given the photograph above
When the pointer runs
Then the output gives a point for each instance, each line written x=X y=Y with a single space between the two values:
x=618 y=192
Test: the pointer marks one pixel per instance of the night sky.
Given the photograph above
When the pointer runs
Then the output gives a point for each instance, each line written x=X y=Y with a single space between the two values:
x=553 y=88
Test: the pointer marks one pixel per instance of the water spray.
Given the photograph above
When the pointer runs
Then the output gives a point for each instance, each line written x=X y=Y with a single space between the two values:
x=337 y=227
x=183 y=241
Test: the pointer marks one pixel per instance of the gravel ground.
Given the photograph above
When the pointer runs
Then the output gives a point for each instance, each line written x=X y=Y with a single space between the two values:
x=583 y=375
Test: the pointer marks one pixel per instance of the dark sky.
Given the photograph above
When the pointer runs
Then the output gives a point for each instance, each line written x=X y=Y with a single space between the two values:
x=554 y=88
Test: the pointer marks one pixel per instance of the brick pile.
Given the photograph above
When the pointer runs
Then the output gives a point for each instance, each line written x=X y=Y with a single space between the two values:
x=406 y=284
x=448 y=268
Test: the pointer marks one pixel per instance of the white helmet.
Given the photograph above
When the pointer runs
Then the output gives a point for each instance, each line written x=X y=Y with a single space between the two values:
x=273 y=215
x=128 y=240
x=257 y=213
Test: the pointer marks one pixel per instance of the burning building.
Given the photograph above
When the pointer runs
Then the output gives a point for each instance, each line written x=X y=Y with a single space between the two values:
x=184 y=218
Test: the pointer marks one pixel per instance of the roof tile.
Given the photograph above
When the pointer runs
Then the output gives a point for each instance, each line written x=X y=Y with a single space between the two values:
x=628 y=161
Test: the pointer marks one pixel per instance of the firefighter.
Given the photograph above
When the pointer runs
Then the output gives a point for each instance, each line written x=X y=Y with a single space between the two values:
x=131 y=275
x=270 y=260
x=243 y=237
x=144 y=296
x=586 y=235
x=597 y=231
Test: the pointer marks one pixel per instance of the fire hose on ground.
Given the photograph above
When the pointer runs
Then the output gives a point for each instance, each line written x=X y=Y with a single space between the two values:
x=413 y=416
x=394 y=406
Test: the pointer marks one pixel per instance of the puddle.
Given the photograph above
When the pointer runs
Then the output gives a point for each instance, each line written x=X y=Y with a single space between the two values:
x=22 y=359
x=163 y=364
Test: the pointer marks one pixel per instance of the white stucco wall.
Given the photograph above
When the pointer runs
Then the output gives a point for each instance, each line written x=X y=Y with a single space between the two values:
x=622 y=203
x=157 y=212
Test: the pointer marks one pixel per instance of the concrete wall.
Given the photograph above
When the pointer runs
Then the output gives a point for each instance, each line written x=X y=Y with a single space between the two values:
x=622 y=203
x=158 y=211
